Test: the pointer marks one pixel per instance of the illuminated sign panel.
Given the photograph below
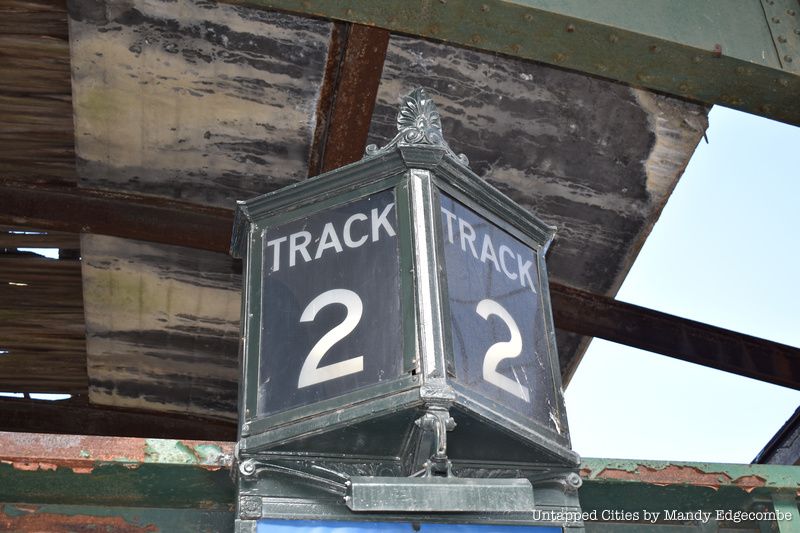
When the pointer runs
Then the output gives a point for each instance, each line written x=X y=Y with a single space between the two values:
x=331 y=306
x=498 y=335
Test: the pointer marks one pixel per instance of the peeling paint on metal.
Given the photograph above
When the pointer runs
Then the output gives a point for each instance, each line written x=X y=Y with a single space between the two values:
x=175 y=451
x=66 y=455
x=168 y=451
x=83 y=451
x=212 y=454
x=715 y=476
x=33 y=466
x=749 y=483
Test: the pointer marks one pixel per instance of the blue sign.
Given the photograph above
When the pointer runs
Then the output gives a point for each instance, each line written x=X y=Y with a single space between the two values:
x=315 y=526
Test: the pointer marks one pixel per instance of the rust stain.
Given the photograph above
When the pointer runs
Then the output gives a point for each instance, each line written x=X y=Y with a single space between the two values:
x=670 y=475
x=60 y=523
x=749 y=483
x=32 y=466
x=20 y=445
x=35 y=466
x=80 y=451
x=677 y=475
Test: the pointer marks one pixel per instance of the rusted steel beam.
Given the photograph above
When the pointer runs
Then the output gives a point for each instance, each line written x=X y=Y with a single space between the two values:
x=131 y=216
x=74 y=417
x=352 y=77
x=598 y=316
x=71 y=469
x=327 y=95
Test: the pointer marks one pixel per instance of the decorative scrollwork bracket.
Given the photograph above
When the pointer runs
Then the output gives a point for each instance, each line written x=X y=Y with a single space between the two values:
x=438 y=421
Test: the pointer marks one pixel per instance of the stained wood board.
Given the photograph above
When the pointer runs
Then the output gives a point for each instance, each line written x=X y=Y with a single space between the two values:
x=193 y=100
x=594 y=158
x=36 y=131
x=162 y=326
x=42 y=339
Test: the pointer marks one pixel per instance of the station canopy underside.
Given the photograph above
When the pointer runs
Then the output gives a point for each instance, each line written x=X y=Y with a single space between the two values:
x=129 y=130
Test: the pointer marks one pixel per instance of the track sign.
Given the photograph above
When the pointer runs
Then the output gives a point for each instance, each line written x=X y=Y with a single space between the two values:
x=498 y=335
x=383 y=292
x=330 y=305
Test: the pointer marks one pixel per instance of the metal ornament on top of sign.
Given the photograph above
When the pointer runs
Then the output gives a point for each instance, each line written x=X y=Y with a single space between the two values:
x=418 y=122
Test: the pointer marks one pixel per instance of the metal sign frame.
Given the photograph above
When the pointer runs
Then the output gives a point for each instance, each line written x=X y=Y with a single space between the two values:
x=419 y=167
x=292 y=203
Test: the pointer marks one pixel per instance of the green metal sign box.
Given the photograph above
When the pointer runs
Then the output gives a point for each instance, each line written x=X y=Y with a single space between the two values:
x=398 y=344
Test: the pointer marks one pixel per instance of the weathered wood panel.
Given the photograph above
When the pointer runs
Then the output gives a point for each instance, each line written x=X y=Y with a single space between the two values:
x=594 y=158
x=76 y=416
x=42 y=346
x=162 y=326
x=191 y=99
x=36 y=130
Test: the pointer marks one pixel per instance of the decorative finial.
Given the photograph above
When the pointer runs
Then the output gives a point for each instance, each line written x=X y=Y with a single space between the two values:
x=418 y=123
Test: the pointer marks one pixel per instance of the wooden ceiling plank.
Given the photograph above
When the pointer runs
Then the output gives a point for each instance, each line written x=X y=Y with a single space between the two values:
x=42 y=331
x=37 y=136
x=162 y=326
x=68 y=417
x=209 y=120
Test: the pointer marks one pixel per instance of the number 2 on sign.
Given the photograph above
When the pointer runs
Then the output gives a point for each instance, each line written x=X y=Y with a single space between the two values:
x=502 y=350
x=311 y=373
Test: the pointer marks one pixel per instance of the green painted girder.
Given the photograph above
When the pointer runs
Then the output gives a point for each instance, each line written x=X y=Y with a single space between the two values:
x=35 y=517
x=115 y=471
x=743 y=54
x=155 y=485
x=629 y=485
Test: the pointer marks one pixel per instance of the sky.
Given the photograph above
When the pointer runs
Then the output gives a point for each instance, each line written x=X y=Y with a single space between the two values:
x=725 y=251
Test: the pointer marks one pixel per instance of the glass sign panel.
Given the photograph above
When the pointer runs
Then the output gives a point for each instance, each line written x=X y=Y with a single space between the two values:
x=331 y=319
x=500 y=347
